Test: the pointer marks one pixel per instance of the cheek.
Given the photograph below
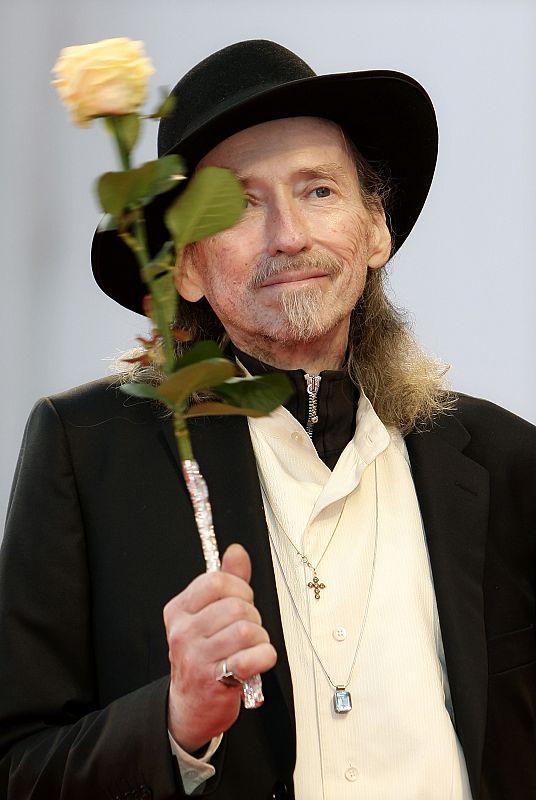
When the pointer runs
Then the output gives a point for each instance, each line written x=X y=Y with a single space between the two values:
x=347 y=237
x=224 y=272
x=228 y=256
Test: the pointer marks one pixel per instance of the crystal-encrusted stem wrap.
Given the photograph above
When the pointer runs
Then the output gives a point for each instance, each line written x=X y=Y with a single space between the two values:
x=252 y=696
x=198 y=490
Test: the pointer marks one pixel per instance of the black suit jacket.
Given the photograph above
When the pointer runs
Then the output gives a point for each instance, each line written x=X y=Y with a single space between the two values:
x=100 y=535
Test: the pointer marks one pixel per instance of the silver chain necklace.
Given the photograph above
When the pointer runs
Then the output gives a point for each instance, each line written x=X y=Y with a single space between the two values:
x=342 y=699
x=315 y=583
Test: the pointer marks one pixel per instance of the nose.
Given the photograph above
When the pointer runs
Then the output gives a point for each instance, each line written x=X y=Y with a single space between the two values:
x=287 y=229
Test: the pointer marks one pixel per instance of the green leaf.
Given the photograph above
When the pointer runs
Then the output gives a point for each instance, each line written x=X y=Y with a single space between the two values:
x=198 y=352
x=114 y=190
x=176 y=389
x=163 y=174
x=166 y=106
x=119 y=190
x=261 y=392
x=128 y=128
x=125 y=128
x=212 y=201
x=213 y=409
x=146 y=390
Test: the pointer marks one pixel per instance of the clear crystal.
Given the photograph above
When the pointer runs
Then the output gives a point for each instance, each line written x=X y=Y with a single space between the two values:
x=252 y=695
x=342 y=700
x=198 y=490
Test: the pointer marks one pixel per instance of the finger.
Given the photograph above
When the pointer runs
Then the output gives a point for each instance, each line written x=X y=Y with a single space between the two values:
x=222 y=613
x=236 y=561
x=254 y=660
x=208 y=588
x=237 y=636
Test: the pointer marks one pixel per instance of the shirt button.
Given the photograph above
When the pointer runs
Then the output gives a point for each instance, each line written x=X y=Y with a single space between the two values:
x=296 y=436
x=351 y=774
x=339 y=633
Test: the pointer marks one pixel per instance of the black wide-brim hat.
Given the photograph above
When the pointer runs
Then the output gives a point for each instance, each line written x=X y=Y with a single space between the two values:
x=388 y=115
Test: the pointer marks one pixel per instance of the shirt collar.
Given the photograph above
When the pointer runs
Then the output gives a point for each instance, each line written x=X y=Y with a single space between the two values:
x=337 y=401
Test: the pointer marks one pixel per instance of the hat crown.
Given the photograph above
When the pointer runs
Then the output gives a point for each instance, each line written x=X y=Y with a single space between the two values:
x=227 y=77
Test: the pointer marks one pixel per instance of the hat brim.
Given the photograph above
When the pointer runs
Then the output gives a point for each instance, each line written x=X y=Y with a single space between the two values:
x=388 y=116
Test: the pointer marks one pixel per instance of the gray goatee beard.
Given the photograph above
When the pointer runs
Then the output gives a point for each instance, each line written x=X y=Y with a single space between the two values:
x=302 y=311
x=301 y=308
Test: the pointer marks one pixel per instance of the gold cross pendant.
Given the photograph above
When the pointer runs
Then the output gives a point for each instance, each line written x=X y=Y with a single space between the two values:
x=316 y=586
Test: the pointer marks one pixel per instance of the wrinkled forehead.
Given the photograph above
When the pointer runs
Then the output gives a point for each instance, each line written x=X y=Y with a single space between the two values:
x=287 y=135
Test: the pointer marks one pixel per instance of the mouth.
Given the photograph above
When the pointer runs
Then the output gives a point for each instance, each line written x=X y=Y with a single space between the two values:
x=301 y=276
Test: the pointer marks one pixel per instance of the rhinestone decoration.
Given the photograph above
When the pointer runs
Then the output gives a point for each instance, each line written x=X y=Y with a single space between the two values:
x=252 y=696
x=198 y=490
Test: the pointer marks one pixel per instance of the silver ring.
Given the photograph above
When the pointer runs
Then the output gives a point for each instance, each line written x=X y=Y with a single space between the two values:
x=228 y=678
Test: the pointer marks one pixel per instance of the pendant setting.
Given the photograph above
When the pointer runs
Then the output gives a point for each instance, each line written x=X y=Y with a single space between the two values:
x=342 y=700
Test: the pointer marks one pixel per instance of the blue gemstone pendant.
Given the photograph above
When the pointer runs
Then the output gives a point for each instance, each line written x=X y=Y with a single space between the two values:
x=342 y=700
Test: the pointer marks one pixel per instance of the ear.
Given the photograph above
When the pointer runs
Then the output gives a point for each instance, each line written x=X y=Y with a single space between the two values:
x=187 y=279
x=380 y=240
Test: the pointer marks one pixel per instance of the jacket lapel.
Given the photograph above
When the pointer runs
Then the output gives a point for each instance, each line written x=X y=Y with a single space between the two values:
x=453 y=494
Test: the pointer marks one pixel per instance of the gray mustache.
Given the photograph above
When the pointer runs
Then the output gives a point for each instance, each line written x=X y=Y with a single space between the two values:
x=270 y=266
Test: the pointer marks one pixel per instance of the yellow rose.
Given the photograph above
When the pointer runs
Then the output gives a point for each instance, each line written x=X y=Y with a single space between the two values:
x=102 y=79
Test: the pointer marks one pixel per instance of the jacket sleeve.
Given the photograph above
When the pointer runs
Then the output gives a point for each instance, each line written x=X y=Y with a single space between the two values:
x=55 y=741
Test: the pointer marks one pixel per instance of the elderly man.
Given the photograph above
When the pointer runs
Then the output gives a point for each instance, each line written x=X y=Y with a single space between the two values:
x=384 y=580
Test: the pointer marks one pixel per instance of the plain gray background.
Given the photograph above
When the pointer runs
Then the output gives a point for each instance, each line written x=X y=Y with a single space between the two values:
x=467 y=272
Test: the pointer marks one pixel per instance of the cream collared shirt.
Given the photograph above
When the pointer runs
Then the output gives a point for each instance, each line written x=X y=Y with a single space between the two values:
x=398 y=741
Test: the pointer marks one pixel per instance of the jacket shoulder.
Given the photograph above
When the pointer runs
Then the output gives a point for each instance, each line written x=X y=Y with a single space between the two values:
x=98 y=392
x=475 y=412
x=496 y=429
x=97 y=401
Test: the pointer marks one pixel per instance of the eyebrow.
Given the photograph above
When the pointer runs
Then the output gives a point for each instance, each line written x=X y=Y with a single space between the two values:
x=331 y=170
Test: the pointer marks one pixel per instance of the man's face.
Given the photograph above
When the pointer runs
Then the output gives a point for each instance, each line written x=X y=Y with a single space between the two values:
x=294 y=266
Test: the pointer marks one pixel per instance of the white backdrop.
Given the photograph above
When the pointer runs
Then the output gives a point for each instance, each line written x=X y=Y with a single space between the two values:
x=467 y=272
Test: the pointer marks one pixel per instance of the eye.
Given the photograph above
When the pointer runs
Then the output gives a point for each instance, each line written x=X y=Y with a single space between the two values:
x=322 y=191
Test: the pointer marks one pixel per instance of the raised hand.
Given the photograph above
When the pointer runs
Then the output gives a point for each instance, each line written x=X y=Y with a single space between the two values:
x=214 y=620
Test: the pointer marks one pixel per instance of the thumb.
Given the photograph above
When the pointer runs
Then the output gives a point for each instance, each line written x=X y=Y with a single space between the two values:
x=237 y=562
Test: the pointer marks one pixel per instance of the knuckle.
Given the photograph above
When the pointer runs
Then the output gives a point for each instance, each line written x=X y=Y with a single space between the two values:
x=240 y=633
x=255 y=616
x=236 y=608
x=247 y=633
x=240 y=666
x=272 y=654
x=243 y=631
x=169 y=612
x=218 y=583
x=179 y=603
x=266 y=657
x=177 y=633
x=262 y=637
